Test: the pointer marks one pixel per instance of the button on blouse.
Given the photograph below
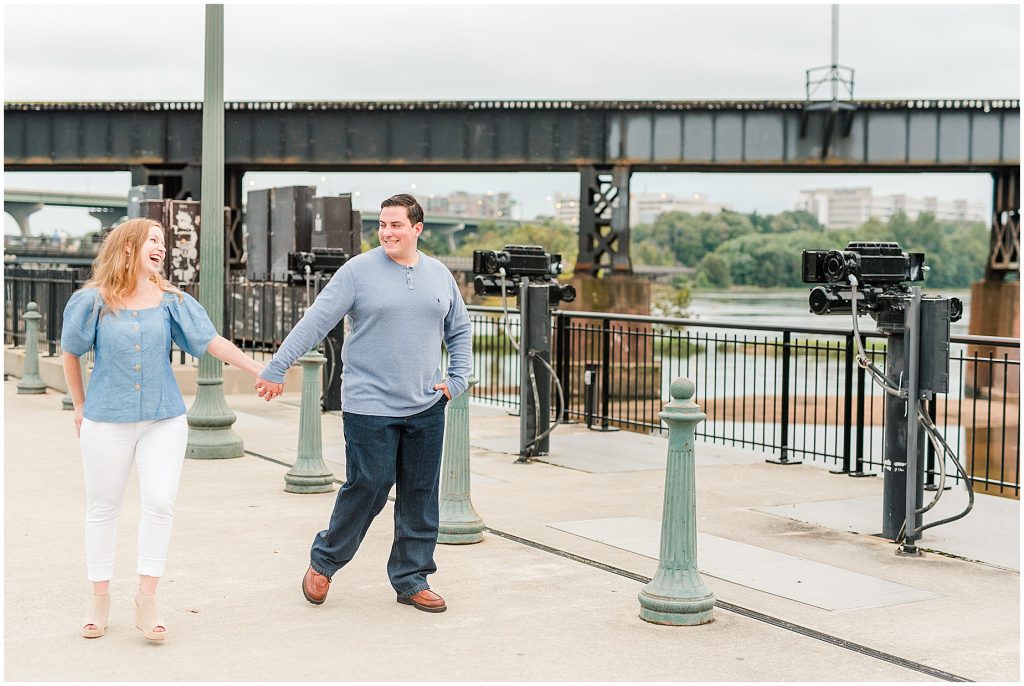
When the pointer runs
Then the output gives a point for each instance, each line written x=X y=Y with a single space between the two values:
x=132 y=380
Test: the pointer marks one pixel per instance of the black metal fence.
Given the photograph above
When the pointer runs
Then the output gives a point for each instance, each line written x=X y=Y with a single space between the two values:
x=795 y=393
x=258 y=314
x=50 y=289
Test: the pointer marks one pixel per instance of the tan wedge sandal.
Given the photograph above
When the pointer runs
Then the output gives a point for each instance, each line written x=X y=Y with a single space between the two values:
x=99 y=610
x=147 y=618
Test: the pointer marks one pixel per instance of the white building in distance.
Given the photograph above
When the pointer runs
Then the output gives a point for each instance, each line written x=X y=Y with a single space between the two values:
x=644 y=208
x=488 y=205
x=848 y=208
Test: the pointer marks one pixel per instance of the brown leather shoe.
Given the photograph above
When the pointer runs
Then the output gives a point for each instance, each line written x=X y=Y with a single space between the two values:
x=315 y=586
x=425 y=600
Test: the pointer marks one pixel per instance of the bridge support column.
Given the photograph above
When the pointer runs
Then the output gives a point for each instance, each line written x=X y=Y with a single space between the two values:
x=179 y=182
x=107 y=216
x=995 y=311
x=604 y=221
x=21 y=211
x=995 y=301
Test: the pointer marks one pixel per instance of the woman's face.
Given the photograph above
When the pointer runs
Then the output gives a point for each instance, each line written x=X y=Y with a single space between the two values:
x=151 y=256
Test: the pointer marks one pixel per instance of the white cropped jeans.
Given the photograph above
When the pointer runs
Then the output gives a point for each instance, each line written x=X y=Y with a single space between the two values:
x=108 y=450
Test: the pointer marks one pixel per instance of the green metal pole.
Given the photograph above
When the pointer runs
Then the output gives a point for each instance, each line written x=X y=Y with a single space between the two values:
x=309 y=474
x=677 y=595
x=31 y=383
x=210 y=419
x=459 y=522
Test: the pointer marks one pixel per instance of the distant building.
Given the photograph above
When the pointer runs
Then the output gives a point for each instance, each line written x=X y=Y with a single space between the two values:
x=848 y=208
x=489 y=205
x=567 y=208
x=644 y=208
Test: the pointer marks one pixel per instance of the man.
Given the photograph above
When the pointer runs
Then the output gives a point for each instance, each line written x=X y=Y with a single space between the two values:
x=401 y=305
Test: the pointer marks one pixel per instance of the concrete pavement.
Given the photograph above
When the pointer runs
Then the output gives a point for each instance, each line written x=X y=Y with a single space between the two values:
x=517 y=612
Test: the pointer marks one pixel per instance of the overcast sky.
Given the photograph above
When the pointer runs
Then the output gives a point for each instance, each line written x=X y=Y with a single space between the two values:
x=465 y=52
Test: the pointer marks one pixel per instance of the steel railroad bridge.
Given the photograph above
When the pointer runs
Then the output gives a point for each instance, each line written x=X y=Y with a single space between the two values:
x=605 y=142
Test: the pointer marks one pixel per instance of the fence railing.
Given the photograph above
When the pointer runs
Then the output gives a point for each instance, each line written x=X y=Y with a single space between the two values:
x=795 y=393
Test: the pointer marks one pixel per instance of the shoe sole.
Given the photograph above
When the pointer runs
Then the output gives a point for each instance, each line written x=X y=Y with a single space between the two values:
x=305 y=594
x=92 y=633
x=424 y=608
x=156 y=636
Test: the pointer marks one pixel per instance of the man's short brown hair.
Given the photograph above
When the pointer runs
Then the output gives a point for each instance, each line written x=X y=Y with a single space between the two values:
x=410 y=204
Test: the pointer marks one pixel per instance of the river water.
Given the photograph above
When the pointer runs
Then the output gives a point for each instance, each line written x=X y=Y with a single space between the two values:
x=789 y=308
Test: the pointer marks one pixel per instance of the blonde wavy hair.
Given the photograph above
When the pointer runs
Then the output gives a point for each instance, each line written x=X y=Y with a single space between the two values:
x=115 y=271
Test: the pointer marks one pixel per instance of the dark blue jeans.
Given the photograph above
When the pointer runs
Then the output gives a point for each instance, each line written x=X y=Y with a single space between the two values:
x=379 y=453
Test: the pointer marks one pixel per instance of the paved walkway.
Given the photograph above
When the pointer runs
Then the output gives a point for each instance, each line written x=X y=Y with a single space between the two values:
x=518 y=611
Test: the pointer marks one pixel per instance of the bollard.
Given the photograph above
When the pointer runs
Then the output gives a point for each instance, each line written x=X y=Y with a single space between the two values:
x=31 y=383
x=309 y=474
x=66 y=403
x=677 y=595
x=459 y=522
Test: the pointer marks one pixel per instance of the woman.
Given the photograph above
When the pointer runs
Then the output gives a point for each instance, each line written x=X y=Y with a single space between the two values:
x=134 y=411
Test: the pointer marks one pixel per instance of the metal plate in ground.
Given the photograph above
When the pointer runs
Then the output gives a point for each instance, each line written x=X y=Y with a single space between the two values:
x=989 y=533
x=804 y=581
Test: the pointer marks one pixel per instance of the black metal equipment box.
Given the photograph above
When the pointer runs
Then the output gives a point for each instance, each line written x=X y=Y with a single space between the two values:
x=934 y=347
x=291 y=211
x=257 y=241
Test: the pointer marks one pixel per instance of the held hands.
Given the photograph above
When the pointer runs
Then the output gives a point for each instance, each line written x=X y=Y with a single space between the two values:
x=268 y=390
x=443 y=387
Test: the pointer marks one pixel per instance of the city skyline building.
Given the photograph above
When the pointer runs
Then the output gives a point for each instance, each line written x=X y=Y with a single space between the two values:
x=644 y=208
x=460 y=203
x=849 y=208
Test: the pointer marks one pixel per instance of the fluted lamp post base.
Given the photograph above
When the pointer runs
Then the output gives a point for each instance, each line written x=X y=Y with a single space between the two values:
x=677 y=600
x=31 y=383
x=677 y=596
x=309 y=474
x=209 y=424
x=459 y=523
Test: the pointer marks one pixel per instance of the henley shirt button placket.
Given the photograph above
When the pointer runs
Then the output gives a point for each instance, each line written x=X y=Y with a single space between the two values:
x=138 y=348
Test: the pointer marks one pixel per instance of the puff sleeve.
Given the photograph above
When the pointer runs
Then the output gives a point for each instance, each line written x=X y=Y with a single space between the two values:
x=78 y=330
x=191 y=328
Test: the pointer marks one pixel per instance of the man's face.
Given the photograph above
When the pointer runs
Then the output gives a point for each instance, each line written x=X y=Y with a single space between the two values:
x=397 y=234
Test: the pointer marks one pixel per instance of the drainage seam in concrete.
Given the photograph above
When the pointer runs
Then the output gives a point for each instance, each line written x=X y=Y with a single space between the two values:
x=729 y=607
x=746 y=612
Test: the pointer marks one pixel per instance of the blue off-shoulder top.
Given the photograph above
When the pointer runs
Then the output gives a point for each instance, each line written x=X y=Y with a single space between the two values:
x=132 y=380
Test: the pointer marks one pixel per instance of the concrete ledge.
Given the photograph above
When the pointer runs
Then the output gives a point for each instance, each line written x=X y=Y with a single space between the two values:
x=51 y=369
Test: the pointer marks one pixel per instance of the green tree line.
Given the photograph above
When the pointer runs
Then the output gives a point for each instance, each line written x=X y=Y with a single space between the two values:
x=737 y=249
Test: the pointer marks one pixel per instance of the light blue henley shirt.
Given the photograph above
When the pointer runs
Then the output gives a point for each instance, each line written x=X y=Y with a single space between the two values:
x=398 y=318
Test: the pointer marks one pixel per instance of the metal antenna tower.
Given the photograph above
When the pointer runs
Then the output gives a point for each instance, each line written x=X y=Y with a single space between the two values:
x=839 y=78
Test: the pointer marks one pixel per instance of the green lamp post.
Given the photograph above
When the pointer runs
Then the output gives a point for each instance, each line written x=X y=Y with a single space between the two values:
x=309 y=474
x=210 y=419
x=458 y=521
x=677 y=595
x=31 y=383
